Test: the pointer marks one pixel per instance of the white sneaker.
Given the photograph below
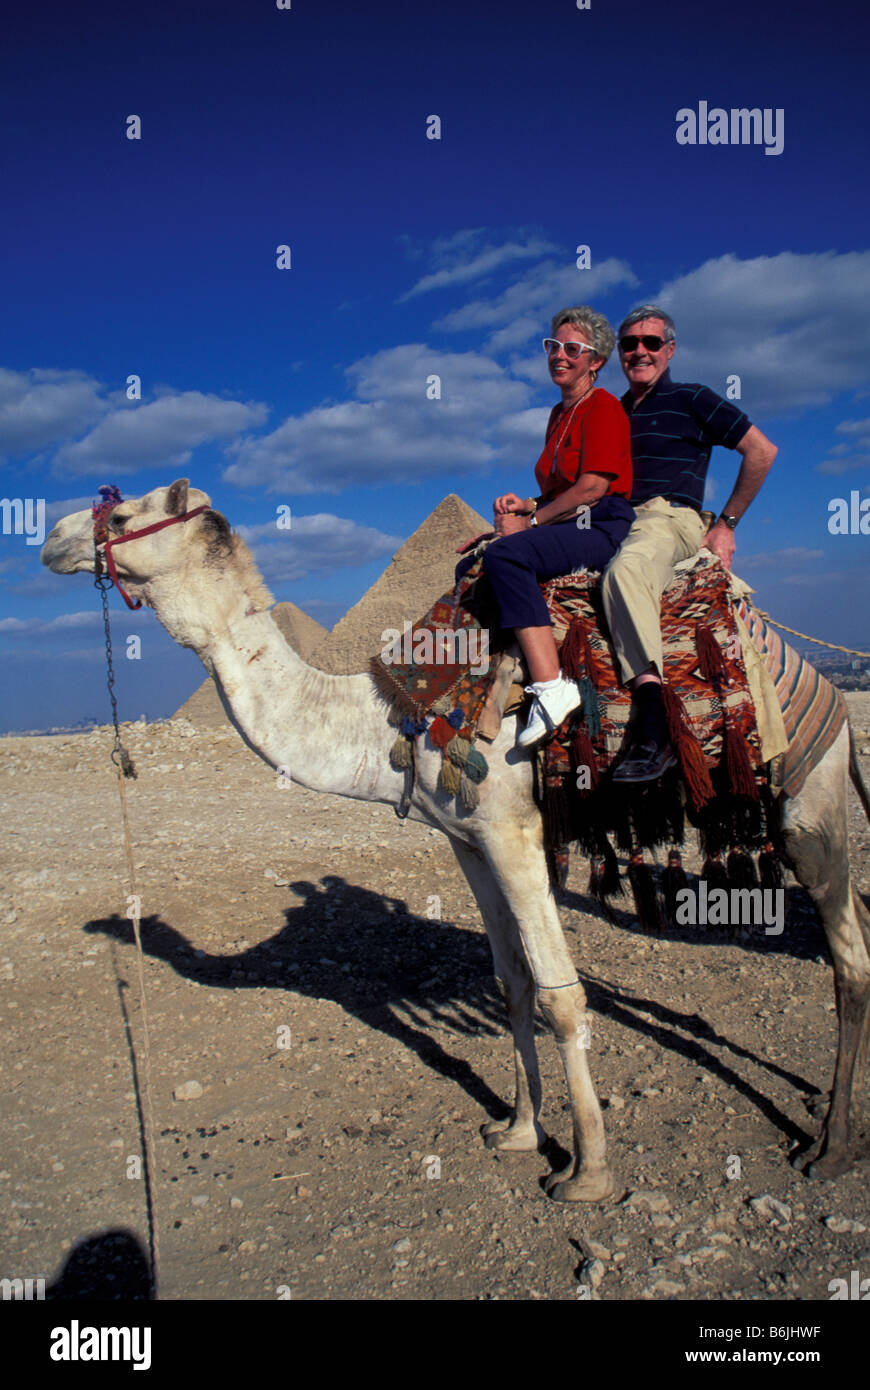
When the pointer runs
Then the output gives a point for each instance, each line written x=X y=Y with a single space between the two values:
x=549 y=708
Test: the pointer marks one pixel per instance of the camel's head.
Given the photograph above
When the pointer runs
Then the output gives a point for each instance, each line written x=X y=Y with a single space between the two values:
x=69 y=548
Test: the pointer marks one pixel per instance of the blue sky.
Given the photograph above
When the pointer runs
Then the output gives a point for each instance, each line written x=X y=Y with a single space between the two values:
x=410 y=256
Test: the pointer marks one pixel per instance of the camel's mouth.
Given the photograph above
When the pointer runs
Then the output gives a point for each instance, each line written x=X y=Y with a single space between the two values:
x=69 y=547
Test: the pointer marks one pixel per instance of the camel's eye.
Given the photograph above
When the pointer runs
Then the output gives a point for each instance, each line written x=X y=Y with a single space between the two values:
x=118 y=520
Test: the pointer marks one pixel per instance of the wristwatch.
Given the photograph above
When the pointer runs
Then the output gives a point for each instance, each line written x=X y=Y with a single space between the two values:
x=533 y=520
x=729 y=521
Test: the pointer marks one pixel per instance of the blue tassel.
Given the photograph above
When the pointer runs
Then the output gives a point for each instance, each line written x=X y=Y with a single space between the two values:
x=591 y=709
x=412 y=728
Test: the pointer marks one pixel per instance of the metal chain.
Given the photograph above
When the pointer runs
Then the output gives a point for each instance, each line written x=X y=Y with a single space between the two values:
x=119 y=755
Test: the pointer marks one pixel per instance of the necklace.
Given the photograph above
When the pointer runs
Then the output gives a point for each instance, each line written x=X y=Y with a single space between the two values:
x=566 y=428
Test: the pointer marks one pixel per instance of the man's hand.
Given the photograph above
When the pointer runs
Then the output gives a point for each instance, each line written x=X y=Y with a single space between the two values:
x=511 y=503
x=720 y=539
x=509 y=523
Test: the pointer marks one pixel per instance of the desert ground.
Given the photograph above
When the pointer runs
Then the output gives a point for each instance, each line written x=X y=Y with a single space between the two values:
x=326 y=1041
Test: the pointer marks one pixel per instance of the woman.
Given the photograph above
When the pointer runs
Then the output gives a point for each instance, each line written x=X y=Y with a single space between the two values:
x=580 y=517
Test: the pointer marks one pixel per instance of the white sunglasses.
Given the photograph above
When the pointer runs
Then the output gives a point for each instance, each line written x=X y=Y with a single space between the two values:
x=572 y=350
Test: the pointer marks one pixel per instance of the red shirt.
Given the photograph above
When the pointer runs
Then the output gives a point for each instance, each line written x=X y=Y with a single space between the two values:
x=594 y=437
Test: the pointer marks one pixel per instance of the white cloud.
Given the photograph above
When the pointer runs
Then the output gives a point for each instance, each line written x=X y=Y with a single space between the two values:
x=788 y=325
x=525 y=308
x=162 y=432
x=777 y=559
x=833 y=467
x=65 y=622
x=525 y=427
x=462 y=259
x=316 y=544
x=843 y=458
x=55 y=511
x=39 y=407
x=391 y=432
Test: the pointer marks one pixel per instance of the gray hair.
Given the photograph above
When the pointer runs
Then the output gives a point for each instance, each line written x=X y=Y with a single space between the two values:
x=649 y=311
x=596 y=327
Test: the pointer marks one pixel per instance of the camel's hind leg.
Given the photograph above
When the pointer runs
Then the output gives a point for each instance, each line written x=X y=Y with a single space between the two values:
x=515 y=855
x=514 y=979
x=816 y=840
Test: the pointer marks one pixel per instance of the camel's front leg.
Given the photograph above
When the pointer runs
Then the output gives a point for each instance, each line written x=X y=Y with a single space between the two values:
x=516 y=857
x=521 y=1130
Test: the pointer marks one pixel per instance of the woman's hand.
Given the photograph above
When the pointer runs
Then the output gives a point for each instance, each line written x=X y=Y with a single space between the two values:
x=508 y=523
x=511 y=503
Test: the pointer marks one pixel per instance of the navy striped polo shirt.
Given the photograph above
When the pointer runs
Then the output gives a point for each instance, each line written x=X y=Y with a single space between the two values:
x=673 y=431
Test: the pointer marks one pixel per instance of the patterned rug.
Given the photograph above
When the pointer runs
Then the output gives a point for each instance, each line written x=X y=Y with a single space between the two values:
x=437 y=675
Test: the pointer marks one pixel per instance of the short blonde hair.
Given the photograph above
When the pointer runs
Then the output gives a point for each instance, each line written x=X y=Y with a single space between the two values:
x=600 y=335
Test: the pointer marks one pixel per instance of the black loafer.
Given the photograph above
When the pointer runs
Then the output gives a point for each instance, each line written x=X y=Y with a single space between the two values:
x=644 y=762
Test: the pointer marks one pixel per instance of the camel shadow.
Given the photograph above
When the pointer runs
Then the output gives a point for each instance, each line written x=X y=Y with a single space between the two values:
x=411 y=978
x=408 y=977
x=665 y=1027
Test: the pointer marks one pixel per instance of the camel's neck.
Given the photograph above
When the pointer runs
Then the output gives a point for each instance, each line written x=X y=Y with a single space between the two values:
x=329 y=733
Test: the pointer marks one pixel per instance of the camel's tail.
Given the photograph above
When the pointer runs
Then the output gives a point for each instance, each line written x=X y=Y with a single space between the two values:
x=855 y=773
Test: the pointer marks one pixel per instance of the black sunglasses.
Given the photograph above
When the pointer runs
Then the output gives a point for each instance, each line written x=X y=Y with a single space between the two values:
x=651 y=342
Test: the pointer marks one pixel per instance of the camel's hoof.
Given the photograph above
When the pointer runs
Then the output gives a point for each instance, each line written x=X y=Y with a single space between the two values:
x=831 y=1165
x=586 y=1187
x=507 y=1135
x=804 y=1160
x=823 y=1159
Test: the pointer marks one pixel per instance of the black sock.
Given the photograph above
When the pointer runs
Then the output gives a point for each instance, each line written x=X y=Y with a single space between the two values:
x=650 y=722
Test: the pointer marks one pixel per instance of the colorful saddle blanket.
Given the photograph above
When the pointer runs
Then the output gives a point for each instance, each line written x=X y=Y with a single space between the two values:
x=438 y=673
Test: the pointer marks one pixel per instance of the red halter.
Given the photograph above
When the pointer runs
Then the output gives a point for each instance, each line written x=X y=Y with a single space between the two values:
x=101 y=517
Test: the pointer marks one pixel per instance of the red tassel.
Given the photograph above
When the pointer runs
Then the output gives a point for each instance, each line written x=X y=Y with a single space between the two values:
x=736 y=754
x=689 y=750
x=584 y=756
x=673 y=882
x=441 y=732
x=715 y=873
x=571 y=656
x=711 y=662
x=643 y=887
x=561 y=863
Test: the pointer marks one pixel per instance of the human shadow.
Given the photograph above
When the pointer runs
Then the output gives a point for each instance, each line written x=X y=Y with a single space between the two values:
x=111 y=1265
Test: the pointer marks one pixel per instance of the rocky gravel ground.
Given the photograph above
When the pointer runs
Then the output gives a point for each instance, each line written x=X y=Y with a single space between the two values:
x=326 y=1041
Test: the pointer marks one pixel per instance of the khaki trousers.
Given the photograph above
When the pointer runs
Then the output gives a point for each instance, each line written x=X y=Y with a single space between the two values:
x=638 y=574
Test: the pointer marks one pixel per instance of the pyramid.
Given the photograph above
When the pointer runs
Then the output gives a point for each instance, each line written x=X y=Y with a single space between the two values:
x=419 y=573
x=203 y=707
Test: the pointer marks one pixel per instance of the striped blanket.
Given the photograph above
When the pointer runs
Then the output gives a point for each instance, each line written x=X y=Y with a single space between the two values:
x=696 y=598
x=813 y=710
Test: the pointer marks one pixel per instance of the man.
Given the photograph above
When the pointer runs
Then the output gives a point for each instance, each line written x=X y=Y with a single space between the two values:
x=674 y=427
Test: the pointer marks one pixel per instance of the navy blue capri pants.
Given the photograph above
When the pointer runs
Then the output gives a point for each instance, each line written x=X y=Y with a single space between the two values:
x=516 y=565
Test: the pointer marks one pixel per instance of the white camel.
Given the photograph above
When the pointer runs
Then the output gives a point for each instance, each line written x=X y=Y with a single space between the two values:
x=331 y=733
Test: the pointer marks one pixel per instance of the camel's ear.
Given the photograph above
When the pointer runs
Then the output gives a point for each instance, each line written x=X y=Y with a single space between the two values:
x=176 y=498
